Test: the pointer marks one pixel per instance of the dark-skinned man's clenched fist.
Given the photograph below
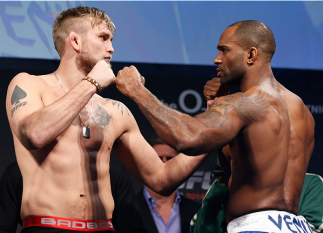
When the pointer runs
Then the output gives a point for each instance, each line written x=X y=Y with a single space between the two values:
x=213 y=89
x=129 y=80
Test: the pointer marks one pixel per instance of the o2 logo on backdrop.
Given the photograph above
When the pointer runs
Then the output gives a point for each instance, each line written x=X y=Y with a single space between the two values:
x=182 y=102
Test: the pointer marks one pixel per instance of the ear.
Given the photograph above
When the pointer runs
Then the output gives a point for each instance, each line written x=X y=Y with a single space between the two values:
x=252 y=55
x=75 y=41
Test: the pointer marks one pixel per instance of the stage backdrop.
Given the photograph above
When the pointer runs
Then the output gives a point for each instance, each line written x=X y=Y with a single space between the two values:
x=170 y=32
x=180 y=87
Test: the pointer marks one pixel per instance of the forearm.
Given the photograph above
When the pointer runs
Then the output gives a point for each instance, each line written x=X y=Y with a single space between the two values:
x=45 y=124
x=179 y=130
x=176 y=172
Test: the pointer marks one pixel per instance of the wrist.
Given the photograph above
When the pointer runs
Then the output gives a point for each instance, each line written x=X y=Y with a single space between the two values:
x=140 y=95
x=94 y=82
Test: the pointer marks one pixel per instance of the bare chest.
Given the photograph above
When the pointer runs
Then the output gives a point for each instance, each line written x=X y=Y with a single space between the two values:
x=93 y=127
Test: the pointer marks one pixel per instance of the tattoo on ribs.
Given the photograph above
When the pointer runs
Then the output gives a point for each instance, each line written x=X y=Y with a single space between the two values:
x=101 y=117
x=17 y=95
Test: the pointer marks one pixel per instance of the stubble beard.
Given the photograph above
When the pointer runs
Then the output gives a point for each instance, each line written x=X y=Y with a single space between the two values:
x=226 y=79
x=86 y=62
x=233 y=76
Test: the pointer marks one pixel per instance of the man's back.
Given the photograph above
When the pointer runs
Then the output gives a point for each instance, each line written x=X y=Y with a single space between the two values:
x=270 y=155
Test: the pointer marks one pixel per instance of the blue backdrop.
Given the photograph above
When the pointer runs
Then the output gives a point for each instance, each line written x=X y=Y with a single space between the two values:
x=170 y=32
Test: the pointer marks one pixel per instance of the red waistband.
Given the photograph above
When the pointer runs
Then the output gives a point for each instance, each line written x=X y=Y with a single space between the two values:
x=68 y=223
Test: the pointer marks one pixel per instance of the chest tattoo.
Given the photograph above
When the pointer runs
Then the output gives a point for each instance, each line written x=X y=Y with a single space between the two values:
x=101 y=117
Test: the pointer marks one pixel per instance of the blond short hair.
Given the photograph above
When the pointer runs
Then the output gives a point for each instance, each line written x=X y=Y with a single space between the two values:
x=70 y=20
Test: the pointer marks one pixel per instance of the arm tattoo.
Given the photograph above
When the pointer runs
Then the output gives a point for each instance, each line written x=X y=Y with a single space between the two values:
x=248 y=108
x=163 y=116
x=101 y=117
x=17 y=95
x=216 y=127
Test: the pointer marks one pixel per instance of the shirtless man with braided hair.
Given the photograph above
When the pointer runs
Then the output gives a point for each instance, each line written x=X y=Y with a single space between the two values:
x=267 y=131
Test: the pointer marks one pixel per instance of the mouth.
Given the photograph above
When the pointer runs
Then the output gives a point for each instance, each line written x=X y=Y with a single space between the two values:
x=219 y=72
x=108 y=58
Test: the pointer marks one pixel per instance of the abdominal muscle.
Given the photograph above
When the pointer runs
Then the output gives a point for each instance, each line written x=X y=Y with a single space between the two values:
x=69 y=181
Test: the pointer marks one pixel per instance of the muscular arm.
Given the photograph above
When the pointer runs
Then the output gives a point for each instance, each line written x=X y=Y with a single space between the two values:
x=34 y=124
x=143 y=162
x=195 y=135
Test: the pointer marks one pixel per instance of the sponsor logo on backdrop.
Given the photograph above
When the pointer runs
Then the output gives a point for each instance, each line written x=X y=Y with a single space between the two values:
x=182 y=104
x=196 y=186
x=200 y=178
x=315 y=109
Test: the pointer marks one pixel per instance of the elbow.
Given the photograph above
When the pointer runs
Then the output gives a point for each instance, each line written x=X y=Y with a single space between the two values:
x=190 y=141
x=32 y=139
x=186 y=149
x=163 y=190
x=190 y=146
x=161 y=185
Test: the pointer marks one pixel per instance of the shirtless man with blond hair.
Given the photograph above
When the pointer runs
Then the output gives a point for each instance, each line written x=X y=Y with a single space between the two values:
x=64 y=132
x=267 y=131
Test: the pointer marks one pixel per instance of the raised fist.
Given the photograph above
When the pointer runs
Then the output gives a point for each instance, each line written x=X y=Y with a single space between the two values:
x=129 y=80
x=103 y=73
x=213 y=89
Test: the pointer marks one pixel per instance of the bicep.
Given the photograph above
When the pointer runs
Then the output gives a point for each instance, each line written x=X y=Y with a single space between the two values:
x=228 y=115
x=23 y=98
x=218 y=126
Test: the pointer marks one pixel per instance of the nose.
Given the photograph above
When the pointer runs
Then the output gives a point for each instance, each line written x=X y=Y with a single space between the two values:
x=217 y=60
x=110 y=48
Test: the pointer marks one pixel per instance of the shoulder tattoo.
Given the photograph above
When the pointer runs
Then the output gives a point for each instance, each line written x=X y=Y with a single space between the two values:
x=119 y=105
x=249 y=108
x=17 y=95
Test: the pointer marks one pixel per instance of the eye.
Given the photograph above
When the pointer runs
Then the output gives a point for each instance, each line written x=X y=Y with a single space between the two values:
x=104 y=38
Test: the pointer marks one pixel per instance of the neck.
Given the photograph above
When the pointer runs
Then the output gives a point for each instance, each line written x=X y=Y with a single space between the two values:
x=255 y=76
x=69 y=74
